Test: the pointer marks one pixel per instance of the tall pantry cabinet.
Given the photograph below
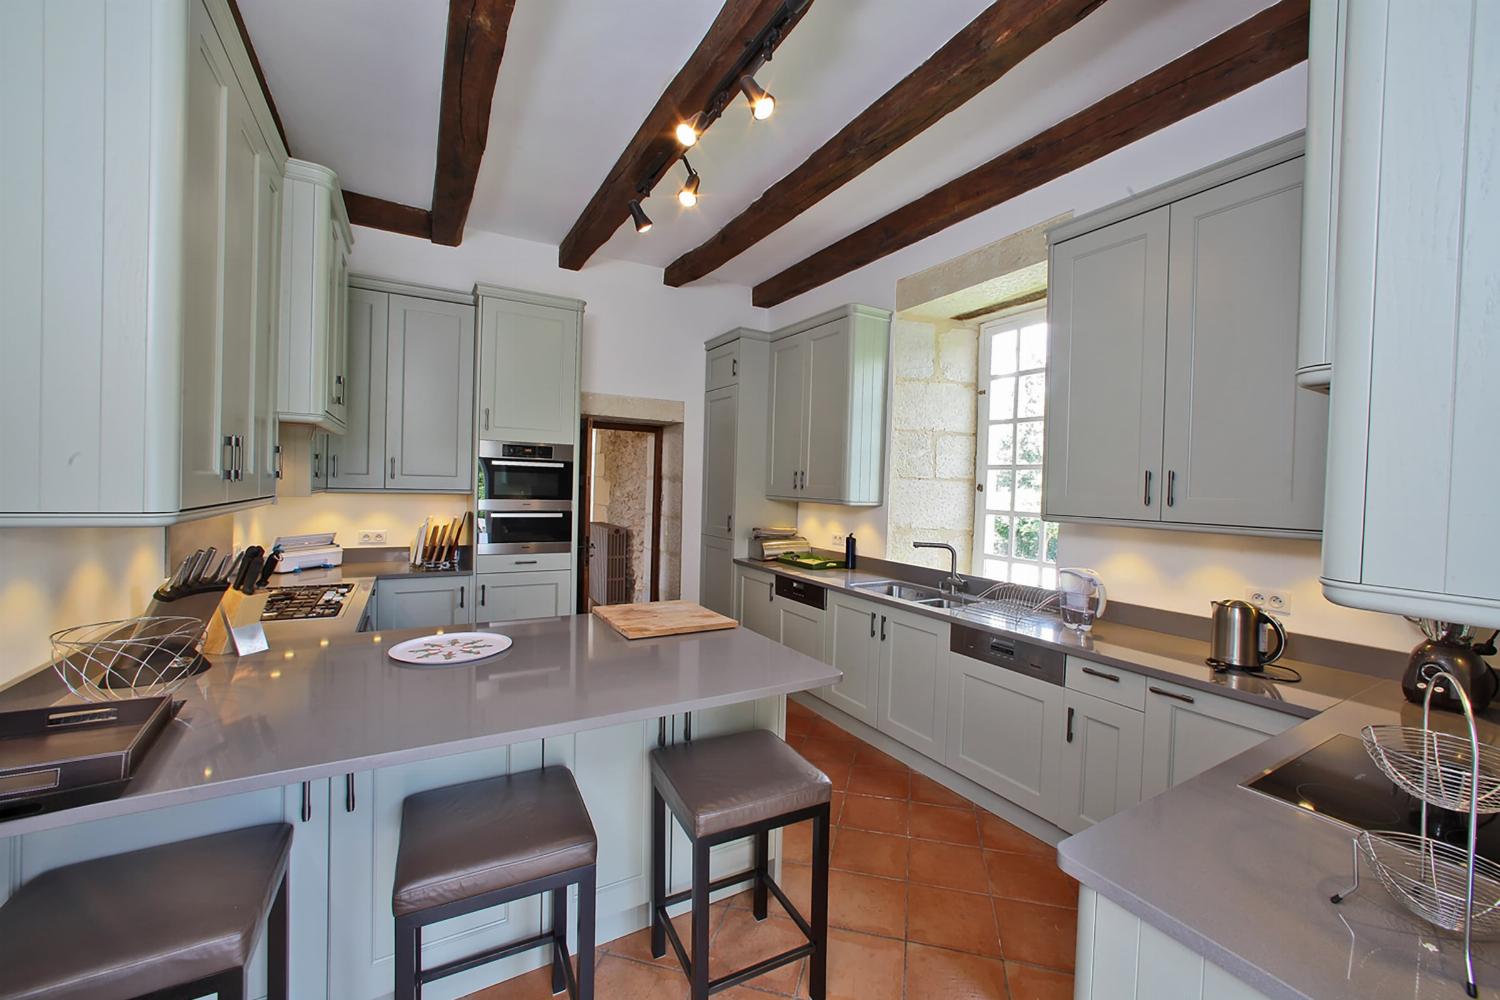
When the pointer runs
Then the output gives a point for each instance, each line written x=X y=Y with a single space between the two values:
x=141 y=221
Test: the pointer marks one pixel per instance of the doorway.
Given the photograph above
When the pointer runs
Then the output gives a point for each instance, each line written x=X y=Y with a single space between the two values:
x=620 y=513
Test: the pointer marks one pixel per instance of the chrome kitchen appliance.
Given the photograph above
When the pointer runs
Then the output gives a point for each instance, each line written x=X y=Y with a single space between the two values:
x=525 y=498
x=1238 y=640
x=1083 y=597
x=767 y=544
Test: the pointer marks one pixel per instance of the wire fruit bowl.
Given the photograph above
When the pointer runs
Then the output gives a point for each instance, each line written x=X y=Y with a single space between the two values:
x=128 y=658
x=1430 y=878
x=1435 y=766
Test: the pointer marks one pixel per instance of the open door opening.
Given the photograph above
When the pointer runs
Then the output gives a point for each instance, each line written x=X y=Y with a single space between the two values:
x=620 y=514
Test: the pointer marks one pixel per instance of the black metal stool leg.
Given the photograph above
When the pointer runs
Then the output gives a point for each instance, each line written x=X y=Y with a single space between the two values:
x=817 y=971
x=559 y=938
x=587 y=887
x=277 y=956
x=762 y=872
x=658 y=872
x=408 y=949
x=700 y=921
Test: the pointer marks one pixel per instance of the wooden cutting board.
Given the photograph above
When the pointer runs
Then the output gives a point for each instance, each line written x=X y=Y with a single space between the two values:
x=659 y=618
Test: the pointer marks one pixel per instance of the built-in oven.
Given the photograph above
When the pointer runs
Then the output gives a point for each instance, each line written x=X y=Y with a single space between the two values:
x=515 y=471
x=507 y=527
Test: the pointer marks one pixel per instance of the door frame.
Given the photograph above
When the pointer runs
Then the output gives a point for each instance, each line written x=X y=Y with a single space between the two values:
x=586 y=500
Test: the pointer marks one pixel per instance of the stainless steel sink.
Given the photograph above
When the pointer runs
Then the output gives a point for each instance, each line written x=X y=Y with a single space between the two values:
x=926 y=596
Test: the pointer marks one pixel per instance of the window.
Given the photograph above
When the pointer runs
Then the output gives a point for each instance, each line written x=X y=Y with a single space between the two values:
x=1011 y=541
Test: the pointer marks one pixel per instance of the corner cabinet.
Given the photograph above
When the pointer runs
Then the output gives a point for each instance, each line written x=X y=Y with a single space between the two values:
x=316 y=241
x=827 y=399
x=528 y=366
x=1188 y=732
x=1410 y=526
x=143 y=201
x=1172 y=392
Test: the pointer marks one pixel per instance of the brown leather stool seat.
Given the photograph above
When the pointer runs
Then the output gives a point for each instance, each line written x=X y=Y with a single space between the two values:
x=729 y=788
x=150 y=922
x=476 y=845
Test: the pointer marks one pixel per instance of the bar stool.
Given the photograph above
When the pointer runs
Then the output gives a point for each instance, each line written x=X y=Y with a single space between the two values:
x=171 y=922
x=476 y=845
x=727 y=788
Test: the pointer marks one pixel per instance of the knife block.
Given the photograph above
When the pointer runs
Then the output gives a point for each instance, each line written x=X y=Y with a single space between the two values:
x=235 y=626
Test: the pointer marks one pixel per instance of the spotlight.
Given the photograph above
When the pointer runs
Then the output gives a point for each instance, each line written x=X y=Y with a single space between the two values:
x=761 y=102
x=688 y=196
x=642 y=220
x=688 y=131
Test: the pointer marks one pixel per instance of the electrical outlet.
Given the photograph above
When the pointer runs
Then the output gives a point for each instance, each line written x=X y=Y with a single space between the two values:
x=1257 y=596
x=1278 y=603
x=372 y=536
x=838 y=541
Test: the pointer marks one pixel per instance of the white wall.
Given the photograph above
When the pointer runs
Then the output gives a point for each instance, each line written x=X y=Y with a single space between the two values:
x=640 y=338
x=346 y=514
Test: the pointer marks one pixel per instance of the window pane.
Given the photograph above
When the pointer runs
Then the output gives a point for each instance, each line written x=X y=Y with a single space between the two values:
x=1027 y=573
x=1002 y=398
x=995 y=569
x=997 y=535
x=1034 y=347
x=1051 y=537
x=1033 y=395
x=1049 y=578
x=1002 y=449
x=1003 y=352
x=1028 y=541
x=1029 y=490
x=997 y=489
x=1029 y=443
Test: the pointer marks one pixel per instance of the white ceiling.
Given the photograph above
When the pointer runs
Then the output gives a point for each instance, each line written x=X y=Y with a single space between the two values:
x=357 y=84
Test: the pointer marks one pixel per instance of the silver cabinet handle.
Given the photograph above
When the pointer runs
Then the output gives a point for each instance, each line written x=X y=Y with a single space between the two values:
x=393 y=466
x=1171 y=487
x=348 y=793
x=277 y=453
x=1099 y=673
x=1070 y=724
x=307 y=801
x=486 y=418
x=1147 y=499
x=1171 y=694
x=338 y=381
x=228 y=456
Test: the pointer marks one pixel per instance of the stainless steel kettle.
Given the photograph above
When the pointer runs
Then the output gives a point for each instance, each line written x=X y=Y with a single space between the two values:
x=1238 y=628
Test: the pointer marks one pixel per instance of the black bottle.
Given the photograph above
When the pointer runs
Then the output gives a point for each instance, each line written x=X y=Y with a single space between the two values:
x=849 y=551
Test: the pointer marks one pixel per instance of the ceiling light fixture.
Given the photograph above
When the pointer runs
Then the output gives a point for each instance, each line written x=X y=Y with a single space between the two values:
x=642 y=220
x=688 y=131
x=762 y=104
x=688 y=196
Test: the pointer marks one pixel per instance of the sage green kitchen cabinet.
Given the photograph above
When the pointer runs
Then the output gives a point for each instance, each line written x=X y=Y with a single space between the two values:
x=801 y=627
x=1099 y=761
x=1004 y=732
x=755 y=597
x=717 y=580
x=723 y=366
x=1189 y=731
x=721 y=417
x=419 y=601
x=913 y=703
x=318 y=461
x=316 y=242
x=519 y=596
x=1326 y=25
x=853 y=646
x=356 y=458
x=788 y=405
x=528 y=366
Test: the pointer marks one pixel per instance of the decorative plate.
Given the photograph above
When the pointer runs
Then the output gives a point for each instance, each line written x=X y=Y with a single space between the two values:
x=450 y=648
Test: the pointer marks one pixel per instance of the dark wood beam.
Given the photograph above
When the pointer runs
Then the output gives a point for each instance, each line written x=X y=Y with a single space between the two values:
x=260 y=76
x=1252 y=51
x=393 y=217
x=471 y=64
x=1024 y=299
x=994 y=42
x=653 y=146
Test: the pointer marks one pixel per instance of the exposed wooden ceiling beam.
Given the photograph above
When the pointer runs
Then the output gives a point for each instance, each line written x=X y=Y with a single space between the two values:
x=1254 y=50
x=994 y=42
x=393 y=217
x=653 y=148
x=471 y=64
x=260 y=76
x=1024 y=299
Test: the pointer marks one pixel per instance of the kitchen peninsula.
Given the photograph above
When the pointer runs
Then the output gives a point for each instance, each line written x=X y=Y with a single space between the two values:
x=330 y=735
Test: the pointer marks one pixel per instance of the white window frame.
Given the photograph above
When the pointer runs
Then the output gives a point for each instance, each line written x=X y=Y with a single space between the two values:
x=1028 y=315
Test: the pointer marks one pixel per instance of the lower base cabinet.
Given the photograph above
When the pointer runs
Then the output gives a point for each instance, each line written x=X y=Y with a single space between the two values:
x=755 y=603
x=1004 y=732
x=801 y=627
x=1099 y=766
x=1188 y=732
x=717 y=576
x=513 y=597
x=424 y=602
x=853 y=647
x=913 y=669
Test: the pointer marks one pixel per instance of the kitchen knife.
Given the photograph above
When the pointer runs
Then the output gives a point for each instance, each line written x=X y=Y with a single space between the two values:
x=235 y=565
x=271 y=561
x=195 y=568
x=218 y=575
x=253 y=566
x=208 y=561
x=180 y=577
x=248 y=568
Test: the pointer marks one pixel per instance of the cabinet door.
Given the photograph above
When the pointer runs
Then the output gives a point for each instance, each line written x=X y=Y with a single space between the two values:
x=723 y=367
x=513 y=597
x=801 y=627
x=914 y=681
x=1107 y=329
x=1243 y=445
x=528 y=374
x=263 y=460
x=853 y=646
x=756 y=599
x=825 y=469
x=336 y=303
x=720 y=418
x=356 y=459
x=784 y=457
x=1189 y=731
x=244 y=161
x=318 y=459
x=424 y=602
x=1004 y=732
x=1100 y=764
x=716 y=575
x=429 y=416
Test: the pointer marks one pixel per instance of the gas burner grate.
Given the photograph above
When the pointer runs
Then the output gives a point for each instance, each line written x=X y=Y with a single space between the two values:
x=286 y=604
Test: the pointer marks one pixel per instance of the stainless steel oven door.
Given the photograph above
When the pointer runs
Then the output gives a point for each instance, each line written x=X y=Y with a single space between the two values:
x=508 y=527
x=517 y=472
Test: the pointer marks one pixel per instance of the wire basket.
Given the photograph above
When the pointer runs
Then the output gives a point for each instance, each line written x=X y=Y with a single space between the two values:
x=1017 y=600
x=1436 y=766
x=129 y=658
x=1430 y=878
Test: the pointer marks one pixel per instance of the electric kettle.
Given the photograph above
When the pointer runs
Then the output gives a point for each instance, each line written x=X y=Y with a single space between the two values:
x=1083 y=597
x=1238 y=627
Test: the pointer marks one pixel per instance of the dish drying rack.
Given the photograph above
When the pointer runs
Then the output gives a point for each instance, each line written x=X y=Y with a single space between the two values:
x=1449 y=886
x=1014 y=602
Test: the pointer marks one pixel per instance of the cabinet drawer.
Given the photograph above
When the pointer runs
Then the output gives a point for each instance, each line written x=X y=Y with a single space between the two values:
x=723 y=367
x=535 y=562
x=510 y=597
x=1109 y=683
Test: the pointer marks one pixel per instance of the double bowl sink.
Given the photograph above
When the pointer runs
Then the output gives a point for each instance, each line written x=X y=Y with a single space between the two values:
x=927 y=597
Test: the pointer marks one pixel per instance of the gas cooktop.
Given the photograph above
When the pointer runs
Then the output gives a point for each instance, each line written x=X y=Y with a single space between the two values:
x=285 y=604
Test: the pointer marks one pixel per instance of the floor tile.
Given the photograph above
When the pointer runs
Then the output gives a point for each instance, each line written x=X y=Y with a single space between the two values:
x=796 y=842
x=952 y=975
x=924 y=789
x=1037 y=934
x=952 y=826
x=870 y=853
x=796 y=882
x=637 y=946
x=1024 y=876
x=947 y=918
x=837 y=773
x=999 y=835
x=879 y=781
x=1030 y=983
x=949 y=865
x=862 y=967
x=820 y=751
x=868 y=756
x=866 y=812
x=743 y=941
x=866 y=903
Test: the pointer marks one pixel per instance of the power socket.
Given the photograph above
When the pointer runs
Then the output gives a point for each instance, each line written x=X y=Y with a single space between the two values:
x=838 y=541
x=1274 y=601
x=372 y=536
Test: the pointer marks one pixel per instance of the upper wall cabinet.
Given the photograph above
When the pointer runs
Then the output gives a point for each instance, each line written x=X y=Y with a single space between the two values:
x=1325 y=83
x=1172 y=393
x=528 y=366
x=827 y=404
x=141 y=213
x=1410 y=523
x=316 y=240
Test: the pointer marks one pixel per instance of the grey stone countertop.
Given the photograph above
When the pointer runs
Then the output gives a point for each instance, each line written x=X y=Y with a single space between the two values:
x=1244 y=879
x=315 y=708
x=1168 y=657
x=377 y=564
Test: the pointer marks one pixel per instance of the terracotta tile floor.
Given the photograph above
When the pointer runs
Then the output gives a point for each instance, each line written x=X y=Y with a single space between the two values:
x=930 y=898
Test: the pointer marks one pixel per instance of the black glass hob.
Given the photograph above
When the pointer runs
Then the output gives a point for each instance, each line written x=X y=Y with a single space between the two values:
x=1338 y=780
